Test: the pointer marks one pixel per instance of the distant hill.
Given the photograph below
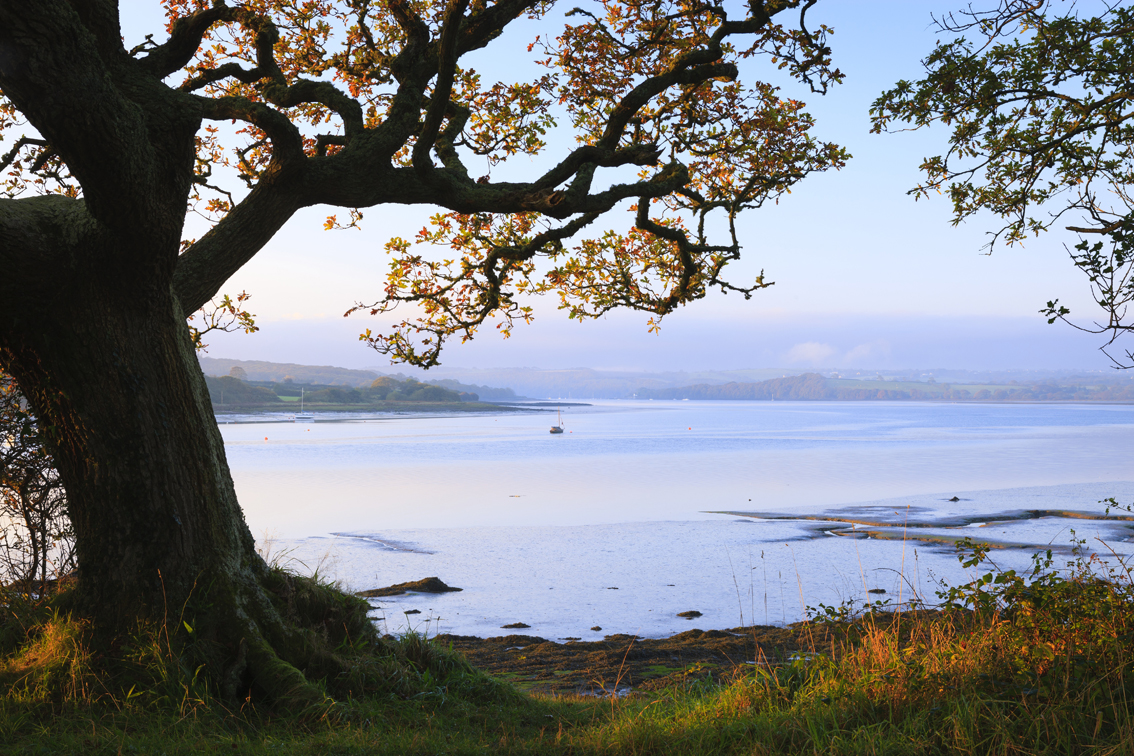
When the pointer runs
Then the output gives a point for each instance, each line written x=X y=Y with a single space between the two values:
x=812 y=386
x=280 y=376
x=806 y=386
x=512 y=384
x=258 y=370
x=229 y=393
x=276 y=372
x=586 y=383
x=486 y=393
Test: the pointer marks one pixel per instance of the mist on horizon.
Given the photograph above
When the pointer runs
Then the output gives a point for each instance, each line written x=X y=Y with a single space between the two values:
x=691 y=343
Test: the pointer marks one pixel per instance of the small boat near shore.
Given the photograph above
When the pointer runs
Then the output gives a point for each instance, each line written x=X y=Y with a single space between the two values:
x=301 y=416
x=558 y=427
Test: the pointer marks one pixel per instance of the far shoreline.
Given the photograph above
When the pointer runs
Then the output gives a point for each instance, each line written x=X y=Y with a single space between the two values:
x=273 y=413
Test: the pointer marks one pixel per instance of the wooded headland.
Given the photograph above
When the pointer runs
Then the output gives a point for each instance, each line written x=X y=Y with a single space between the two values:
x=232 y=392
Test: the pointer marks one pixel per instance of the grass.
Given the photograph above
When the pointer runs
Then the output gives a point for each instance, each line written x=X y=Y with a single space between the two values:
x=1030 y=663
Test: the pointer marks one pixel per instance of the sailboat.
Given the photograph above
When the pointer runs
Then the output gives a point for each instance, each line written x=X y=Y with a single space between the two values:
x=301 y=415
x=558 y=428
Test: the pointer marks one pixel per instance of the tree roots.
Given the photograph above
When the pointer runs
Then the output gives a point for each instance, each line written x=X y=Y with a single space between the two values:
x=290 y=643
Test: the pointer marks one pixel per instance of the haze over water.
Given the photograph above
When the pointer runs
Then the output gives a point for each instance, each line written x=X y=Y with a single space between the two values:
x=539 y=528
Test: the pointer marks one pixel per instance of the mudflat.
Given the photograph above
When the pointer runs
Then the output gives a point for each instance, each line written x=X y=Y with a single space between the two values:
x=621 y=662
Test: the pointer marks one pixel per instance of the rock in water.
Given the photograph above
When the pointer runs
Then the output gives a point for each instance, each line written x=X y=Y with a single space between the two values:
x=426 y=585
x=515 y=626
x=689 y=615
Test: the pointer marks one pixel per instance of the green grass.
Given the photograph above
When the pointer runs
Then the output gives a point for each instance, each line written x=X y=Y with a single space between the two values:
x=1032 y=663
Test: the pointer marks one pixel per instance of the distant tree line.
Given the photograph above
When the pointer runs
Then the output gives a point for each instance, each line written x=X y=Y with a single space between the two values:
x=312 y=377
x=231 y=390
x=812 y=386
x=410 y=390
x=261 y=371
x=487 y=393
x=228 y=389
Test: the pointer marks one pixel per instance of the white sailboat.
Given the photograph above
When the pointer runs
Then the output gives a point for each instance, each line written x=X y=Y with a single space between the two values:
x=301 y=415
x=558 y=427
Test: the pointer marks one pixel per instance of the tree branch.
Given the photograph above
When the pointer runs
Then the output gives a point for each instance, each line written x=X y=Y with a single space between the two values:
x=417 y=37
x=203 y=268
x=184 y=39
x=276 y=89
x=442 y=88
x=22 y=142
x=684 y=71
x=287 y=141
x=99 y=133
x=485 y=25
x=38 y=236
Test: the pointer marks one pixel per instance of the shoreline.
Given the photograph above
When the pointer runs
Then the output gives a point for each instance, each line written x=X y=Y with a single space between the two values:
x=622 y=663
x=360 y=413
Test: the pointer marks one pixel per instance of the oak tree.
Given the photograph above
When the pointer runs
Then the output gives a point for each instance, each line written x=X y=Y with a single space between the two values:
x=1037 y=96
x=247 y=113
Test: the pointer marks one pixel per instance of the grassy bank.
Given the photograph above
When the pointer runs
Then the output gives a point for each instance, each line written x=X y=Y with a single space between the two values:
x=1013 y=663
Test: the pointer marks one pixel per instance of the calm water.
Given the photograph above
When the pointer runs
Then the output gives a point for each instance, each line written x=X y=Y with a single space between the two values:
x=539 y=528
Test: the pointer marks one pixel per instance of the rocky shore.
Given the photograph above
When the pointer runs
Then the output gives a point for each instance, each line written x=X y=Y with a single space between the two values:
x=619 y=663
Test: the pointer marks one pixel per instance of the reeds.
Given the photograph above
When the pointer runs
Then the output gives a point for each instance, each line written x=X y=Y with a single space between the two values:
x=1039 y=662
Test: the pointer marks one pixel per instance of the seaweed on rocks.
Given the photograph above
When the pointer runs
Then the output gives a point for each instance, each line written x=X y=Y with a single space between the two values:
x=425 y=585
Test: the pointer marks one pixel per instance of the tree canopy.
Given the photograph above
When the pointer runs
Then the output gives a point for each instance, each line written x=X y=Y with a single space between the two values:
x=1038 y=99
x=357 y=104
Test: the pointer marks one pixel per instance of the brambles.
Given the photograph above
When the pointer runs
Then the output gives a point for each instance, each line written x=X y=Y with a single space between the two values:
x=36 y=539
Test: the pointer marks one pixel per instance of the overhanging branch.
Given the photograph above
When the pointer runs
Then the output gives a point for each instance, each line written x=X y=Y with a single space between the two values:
x=442 y=88
x=203 y=268
x=184 y=39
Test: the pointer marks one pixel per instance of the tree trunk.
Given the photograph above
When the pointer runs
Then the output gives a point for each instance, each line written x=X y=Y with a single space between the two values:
x=149 y=494
x=160 y=538
x=93 y=331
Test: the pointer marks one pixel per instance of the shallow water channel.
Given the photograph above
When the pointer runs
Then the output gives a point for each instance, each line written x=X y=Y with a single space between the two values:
x=744 y=511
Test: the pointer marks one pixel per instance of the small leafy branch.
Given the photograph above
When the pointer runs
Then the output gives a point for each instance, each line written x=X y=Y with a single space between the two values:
x=227 y=315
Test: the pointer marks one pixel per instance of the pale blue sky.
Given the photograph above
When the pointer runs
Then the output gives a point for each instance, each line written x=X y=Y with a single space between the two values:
x=864 y=275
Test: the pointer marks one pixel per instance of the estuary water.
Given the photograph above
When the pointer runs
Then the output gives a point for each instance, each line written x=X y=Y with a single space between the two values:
x=743 y=511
